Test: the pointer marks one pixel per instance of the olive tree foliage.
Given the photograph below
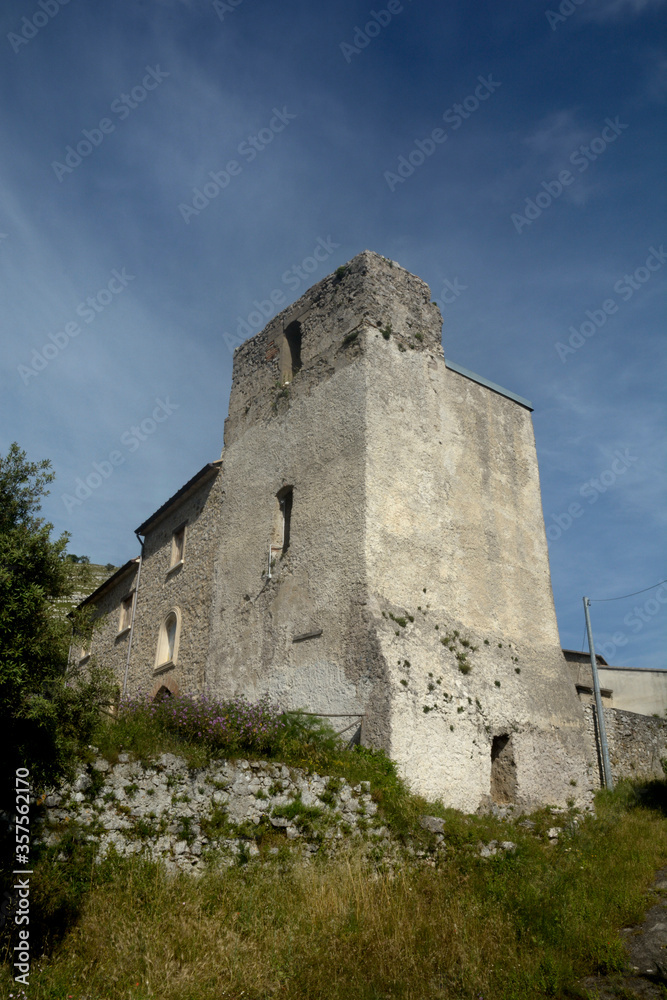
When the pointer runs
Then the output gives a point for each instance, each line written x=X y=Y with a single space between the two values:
x=49 y=707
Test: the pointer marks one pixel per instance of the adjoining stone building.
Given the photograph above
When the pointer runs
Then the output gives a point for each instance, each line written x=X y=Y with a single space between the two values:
x=370 y=545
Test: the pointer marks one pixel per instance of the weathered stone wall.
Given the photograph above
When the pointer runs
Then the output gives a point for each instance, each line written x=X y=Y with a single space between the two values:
x=372 y=291
x=407 y=477
x=188 y=589
x=416 y=516
x=109 y=643
x=176 y=814
x=314 y=443
x=637 y=743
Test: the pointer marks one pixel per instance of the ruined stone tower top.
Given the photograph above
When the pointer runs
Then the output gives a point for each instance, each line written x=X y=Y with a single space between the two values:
x=318 y=334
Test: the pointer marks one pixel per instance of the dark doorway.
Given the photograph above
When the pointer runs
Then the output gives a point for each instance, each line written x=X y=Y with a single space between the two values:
x=503 y=770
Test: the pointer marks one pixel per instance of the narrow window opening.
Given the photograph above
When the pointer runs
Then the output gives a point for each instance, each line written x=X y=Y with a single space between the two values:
x=170 y=628
x=177 y=546
x=282 y=524
x=285 y=500
x=503 y=770
x=291 y=353
x=125 y=613
x=85 y=648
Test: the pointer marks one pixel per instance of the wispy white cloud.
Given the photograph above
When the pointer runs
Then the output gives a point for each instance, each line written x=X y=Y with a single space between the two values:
x=617 y=10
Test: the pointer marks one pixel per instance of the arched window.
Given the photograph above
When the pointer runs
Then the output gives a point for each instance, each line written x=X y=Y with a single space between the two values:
x=290 y=360
x=163 y=694
x=167 y=646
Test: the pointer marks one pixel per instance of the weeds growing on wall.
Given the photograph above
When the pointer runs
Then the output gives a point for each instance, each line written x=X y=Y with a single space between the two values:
x=224 y=727
x=200 y=728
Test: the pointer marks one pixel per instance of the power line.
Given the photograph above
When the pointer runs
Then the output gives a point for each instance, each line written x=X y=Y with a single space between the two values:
x=603 y=600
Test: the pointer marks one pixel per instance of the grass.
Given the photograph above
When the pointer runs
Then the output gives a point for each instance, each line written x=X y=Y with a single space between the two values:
x=259 y=732
x=380 y=925
x=511 y=927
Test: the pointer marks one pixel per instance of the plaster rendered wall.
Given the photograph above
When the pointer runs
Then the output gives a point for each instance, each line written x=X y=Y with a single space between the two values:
x=188 y=589
x=109 y=645
x=311 y=435
x=315 y=443
x=634 y=690
x=455 y=526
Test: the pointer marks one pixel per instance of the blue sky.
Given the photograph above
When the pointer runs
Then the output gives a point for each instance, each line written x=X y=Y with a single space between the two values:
x=535 y=213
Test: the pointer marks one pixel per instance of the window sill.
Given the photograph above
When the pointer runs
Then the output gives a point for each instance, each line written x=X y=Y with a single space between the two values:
x=84 y=660
x=123 y=632
x=163 y=667
x=173 y=569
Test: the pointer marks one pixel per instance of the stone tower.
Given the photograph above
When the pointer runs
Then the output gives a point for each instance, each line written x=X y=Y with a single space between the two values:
x=382 y=548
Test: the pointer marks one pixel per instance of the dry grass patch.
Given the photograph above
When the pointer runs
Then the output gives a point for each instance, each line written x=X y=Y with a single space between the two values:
x=512 y=927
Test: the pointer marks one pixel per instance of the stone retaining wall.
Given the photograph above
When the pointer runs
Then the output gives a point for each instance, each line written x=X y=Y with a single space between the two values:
x=177 y=814
x=637 y=743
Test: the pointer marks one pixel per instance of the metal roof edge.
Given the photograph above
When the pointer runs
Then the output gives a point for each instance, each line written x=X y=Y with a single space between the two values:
x=489 y=385
x=179 y=495
x=639 y=670
x=114 y=578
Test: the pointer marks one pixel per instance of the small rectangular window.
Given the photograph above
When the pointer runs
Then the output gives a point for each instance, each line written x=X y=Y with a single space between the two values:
x=177 y=547
x=125 y=613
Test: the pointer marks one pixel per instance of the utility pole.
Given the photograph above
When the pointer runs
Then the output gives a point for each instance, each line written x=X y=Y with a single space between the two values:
x=602 y=730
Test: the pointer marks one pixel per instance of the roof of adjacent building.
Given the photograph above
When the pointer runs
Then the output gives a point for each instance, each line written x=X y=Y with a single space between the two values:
x=489 y=385
x=580 y=657
x=113 y=579
x=198 y=477
x=207 y=470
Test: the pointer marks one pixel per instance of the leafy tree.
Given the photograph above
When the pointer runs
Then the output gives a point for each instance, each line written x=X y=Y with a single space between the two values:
x=48 y=707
